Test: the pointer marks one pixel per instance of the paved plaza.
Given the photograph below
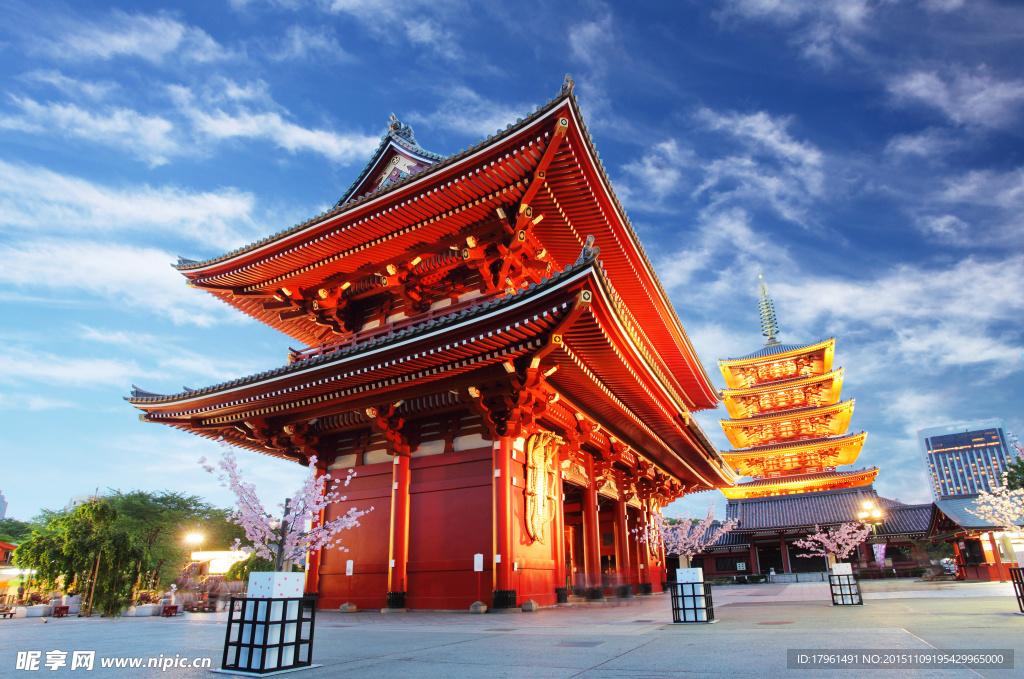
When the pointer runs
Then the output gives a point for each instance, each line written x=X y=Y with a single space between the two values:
x=633 y=639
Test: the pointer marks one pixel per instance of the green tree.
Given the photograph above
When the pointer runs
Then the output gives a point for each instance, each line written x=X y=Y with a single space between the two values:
x=1015 y=475
x=14 y=531
x=254 y=564
x=158 y=523
x=86 y=553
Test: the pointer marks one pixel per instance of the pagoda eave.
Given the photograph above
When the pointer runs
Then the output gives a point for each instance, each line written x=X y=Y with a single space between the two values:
x=801 y=483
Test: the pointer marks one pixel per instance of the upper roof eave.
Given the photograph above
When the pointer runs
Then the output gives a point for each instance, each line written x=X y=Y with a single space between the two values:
x=803 y=443
x=342 y=207
x=780 y=351
x=782 y=384
x=708 y=398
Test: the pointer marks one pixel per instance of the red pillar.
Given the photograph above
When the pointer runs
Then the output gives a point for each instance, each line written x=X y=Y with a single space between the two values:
x=622 y=564
x=645 y=549
x=995 y=555
x=503 y=556
x=785 y=555
x=591 y=530
x=559 y=529
x=754 y=570
x=313 y=558
x=398 y=580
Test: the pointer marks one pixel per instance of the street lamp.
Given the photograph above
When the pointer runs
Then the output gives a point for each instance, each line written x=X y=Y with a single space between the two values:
x=871 y=515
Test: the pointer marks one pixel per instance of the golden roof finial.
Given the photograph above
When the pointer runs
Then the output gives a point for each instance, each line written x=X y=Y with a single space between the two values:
x=769 y=324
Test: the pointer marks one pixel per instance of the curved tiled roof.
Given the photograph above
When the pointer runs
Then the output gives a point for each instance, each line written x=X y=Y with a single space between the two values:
x=803 y=478
x=804 y=510
x=792 y=412
x=774 y=349
x=822 y=441
x=906 y=520
x=565 y=93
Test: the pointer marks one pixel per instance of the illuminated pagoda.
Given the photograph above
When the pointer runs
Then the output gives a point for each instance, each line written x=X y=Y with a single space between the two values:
x=486 y=343
x=787 y=420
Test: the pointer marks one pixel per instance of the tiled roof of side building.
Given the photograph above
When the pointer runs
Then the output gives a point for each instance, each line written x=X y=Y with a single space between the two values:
x=958 y=509
x=141 y=396
x=805 y=510
x=906 y=520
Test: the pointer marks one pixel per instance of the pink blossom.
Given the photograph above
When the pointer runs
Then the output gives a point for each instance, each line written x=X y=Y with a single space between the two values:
x=1002 y=507
x=305 y=507
x=839 y=541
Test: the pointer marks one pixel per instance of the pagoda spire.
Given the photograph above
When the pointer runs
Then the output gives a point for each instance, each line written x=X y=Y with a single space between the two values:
x=769 y=324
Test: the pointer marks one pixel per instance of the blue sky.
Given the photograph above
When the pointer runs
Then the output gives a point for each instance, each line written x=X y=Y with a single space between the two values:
x=866 y=156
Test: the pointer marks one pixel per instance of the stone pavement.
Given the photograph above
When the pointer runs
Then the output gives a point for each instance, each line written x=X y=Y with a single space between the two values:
x=632 y=639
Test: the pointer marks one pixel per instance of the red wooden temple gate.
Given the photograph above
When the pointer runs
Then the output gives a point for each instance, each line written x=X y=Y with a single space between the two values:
x=501 y=384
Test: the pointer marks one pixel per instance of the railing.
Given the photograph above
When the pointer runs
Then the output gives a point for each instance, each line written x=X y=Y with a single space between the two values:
x=295 y=355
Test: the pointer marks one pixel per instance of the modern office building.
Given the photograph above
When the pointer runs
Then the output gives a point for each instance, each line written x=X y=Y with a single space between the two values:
x=965 y=459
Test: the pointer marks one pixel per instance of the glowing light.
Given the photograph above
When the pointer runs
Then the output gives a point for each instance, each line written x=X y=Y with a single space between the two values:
x=194 y=538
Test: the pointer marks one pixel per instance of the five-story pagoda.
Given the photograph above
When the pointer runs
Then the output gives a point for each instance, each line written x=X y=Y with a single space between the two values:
x=787 y=422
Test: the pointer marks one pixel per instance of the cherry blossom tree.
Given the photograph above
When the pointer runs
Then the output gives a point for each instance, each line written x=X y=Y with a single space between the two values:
x=284 y=538
x=836 y=543
x=1002 y=507
x=690 y=537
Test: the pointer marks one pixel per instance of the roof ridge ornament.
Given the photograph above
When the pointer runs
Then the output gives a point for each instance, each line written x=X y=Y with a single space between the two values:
x=567 y=84
x=589 y=252
x=397 y=127
x=769 y=324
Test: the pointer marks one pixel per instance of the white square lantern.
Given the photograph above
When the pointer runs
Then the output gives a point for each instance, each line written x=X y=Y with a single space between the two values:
x=690 y=584
x=276 y=585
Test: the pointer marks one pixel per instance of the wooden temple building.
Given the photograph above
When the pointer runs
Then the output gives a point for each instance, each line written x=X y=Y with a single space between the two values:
x=485 y=341
x=789 y=428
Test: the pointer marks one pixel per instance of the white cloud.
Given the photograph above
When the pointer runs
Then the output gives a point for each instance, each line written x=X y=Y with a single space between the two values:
x=34 y=199
x=32 y=402
x=946 y=227
x=71 y=270
x=776 y=170
x=466 y=111
x=932 y=143
x=988 y=188
x=431 y=34
x=146 y=137
x=23 y=365
x=300 y=43
x=965 y=97
x=213 y=122
x=657 y=174
x=820 y=27
x=72 y=87
x=153 y=38
x=171 y=358
x=950 y=317
x=591 y=41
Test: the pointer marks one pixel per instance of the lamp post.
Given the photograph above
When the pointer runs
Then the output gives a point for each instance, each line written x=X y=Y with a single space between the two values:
x=872 y=516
